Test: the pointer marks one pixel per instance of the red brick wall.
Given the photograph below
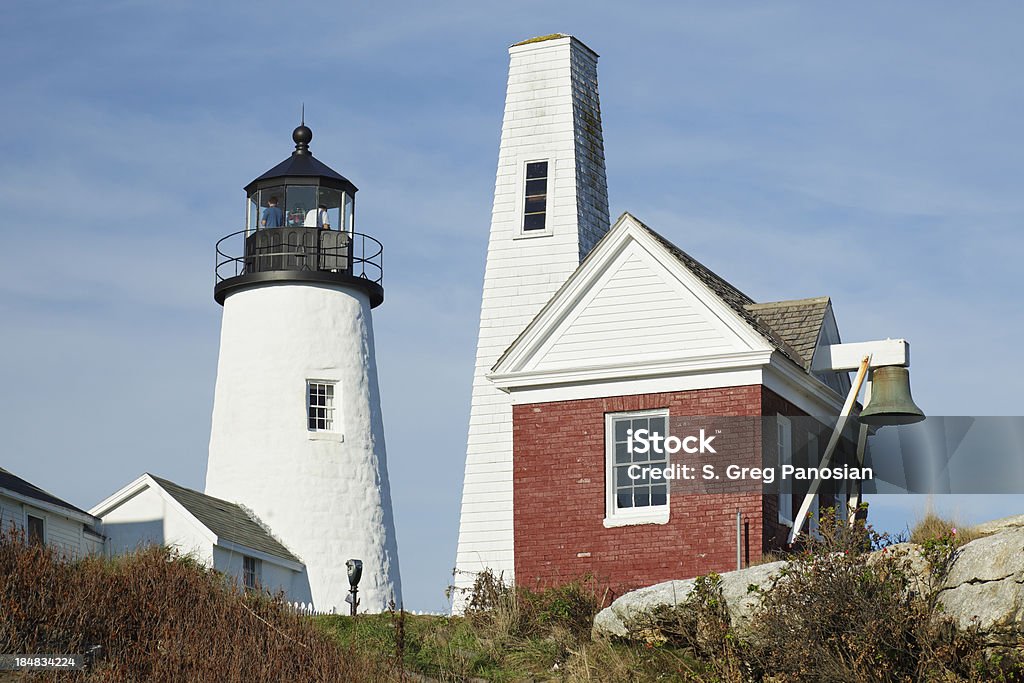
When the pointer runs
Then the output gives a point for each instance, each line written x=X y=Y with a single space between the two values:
x=559 y=499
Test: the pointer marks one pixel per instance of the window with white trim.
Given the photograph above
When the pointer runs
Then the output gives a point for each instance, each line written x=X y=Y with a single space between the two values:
x=535 y=205
x=842 y=502
x=633 y=495
x=784 y=442
x=36 y=527
x=320 y=406
x=252 y=571
x=813 y=456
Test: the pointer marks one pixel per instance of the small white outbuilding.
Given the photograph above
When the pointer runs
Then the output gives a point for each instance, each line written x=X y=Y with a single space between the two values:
x=222 y=535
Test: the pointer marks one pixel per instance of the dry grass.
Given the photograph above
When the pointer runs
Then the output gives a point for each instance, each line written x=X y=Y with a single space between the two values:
x=160 y=617
x=931 y=527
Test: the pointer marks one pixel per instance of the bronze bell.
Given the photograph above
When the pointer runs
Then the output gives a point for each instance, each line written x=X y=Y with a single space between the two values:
x=890 y=402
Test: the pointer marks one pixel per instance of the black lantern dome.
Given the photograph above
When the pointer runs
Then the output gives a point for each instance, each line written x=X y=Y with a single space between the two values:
x=300 y=226
x=302 y=169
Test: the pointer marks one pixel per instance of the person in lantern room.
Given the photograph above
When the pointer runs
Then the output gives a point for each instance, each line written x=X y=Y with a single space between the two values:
x=273 y=217
x=317 y=218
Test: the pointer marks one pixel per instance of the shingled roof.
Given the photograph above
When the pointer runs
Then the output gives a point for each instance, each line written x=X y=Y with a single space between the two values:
x=229 y=521
x=798 y=322
x=16 y=484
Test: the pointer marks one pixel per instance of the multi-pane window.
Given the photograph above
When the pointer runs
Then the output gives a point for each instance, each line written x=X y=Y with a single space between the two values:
x=842 y=502
x=812 y=461
x=320 y=406
x=785 y=451
x=36 y=529
x=251 y=569
x=631 y=457
x=535 y=211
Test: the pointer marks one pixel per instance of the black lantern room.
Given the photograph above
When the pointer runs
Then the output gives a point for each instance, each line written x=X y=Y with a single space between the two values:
x=300 y=226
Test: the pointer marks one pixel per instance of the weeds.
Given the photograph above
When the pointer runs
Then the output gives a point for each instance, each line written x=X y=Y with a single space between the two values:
x=931 y=527
x=157 y=616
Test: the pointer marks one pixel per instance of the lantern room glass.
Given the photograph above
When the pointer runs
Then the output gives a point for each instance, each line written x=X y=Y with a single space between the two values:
x=299 y=205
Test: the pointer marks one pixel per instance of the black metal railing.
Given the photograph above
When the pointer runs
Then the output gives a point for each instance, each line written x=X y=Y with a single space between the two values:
x=299 y=249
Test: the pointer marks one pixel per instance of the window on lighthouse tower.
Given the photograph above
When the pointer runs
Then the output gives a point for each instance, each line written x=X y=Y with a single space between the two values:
x=320 y=406
x=536 y=206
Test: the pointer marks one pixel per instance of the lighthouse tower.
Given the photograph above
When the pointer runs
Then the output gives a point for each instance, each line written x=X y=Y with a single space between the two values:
x=550 y=209
x=297 y=434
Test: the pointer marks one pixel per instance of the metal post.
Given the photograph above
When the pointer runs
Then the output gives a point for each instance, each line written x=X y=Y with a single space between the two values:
x=355 y=600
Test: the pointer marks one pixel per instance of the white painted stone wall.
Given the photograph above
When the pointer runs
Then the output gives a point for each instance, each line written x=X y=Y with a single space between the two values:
x=551 y=113
x=324 y=495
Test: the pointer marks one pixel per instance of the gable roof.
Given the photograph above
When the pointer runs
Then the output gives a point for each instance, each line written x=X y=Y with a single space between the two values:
x=798 y=322
x=737 y=300
x=229 y=521
x=759 y=318
x=27 y=490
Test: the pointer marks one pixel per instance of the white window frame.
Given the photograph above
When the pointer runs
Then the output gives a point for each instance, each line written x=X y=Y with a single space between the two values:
x=333 y=412
x=36 y=515
x=813 y=455
x=257 y=573
x=841 y=501
x=614 y=516
x=784 y=453
x=522 y=232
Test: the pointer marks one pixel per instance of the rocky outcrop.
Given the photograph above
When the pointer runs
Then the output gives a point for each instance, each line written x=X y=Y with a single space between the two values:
x=631 y=611
x=984 y=589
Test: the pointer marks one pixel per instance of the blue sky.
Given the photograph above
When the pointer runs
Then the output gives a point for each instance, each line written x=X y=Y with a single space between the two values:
x=868 y=152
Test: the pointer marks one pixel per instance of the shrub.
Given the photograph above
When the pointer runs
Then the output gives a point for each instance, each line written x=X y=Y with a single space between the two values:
x=838 y=613
x=517 y=611
x=157 y=617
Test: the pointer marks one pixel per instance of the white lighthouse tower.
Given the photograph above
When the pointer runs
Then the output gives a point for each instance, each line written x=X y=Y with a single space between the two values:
x=297 y=432
x=550 y=209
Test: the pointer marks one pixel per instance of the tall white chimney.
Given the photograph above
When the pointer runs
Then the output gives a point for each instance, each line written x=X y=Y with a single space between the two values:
x=550 y=209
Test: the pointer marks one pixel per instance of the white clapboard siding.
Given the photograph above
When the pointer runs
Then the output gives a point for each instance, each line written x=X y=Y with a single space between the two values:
x=11 y=515
x=639 y=312
x=65 y=535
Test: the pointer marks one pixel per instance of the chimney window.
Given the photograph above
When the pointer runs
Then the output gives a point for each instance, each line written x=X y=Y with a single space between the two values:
x=535 y=208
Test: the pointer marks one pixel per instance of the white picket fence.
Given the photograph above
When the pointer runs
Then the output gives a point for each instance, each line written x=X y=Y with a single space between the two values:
x=307 y=609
